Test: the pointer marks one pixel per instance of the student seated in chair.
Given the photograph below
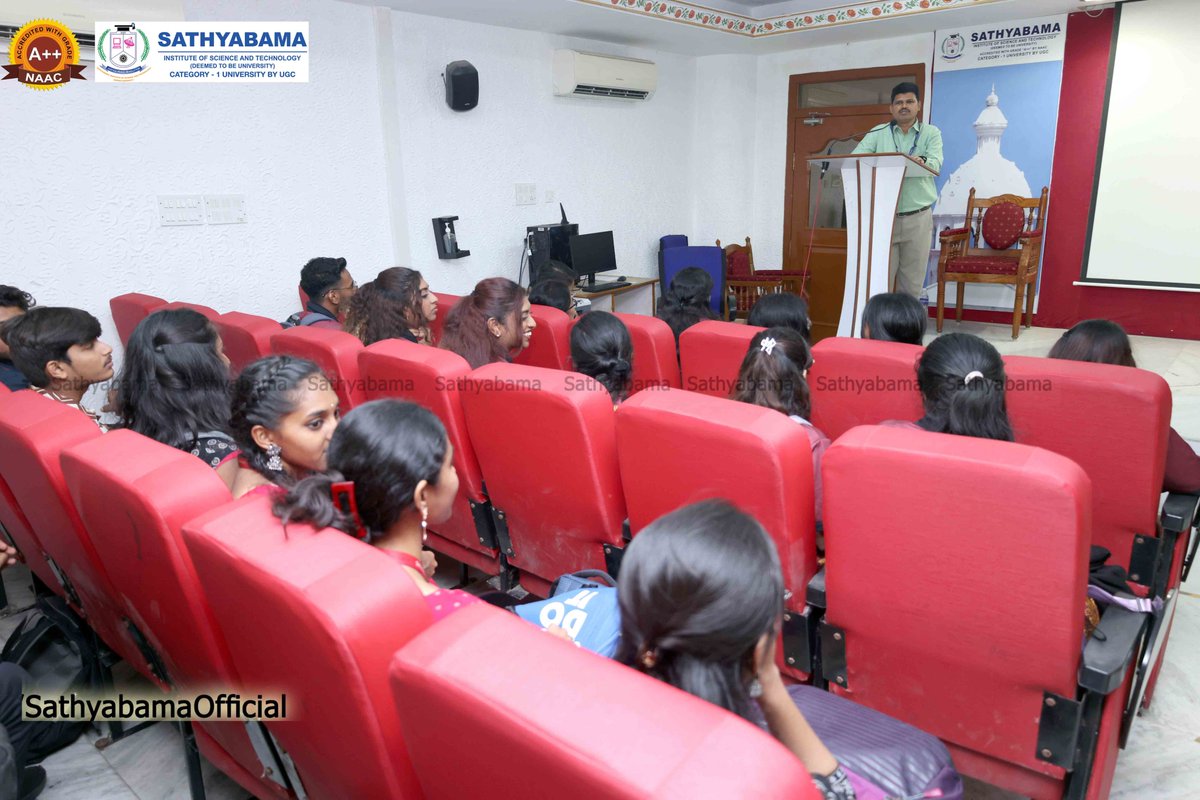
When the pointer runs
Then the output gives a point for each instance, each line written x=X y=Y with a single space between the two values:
x=396 y=305
x=283 y=414
x=774 y=374
x=391 y=474
x=781 y=310
x=330 y=289
x=554 y=293
x=174 y=387
x=601 y=349
x=701 y=595
x=894 y=317
x=13 y=303
x=961 y=378
x=490 y=324
x=1104 y=342
x=59 y=352
x=686 y=301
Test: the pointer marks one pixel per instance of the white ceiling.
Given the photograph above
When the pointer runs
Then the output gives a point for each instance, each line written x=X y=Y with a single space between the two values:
x=570 y=18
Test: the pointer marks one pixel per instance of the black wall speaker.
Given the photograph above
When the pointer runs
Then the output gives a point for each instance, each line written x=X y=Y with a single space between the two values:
x=462 y=85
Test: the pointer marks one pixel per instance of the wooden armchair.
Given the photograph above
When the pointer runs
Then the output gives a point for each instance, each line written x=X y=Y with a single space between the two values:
x=1007 y=231
x=744 y=284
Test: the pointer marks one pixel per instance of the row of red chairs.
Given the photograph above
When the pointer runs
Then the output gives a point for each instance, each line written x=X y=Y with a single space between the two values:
x=146 y=543
x=197 y=591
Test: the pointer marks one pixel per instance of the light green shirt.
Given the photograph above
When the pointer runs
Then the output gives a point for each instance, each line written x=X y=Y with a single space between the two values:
x=914 y=192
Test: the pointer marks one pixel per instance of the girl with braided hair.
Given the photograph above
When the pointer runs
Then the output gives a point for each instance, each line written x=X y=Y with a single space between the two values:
x=282 y=415
x=396 y=305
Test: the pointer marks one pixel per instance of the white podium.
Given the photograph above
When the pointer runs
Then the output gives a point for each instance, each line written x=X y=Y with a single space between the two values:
x=871 y=182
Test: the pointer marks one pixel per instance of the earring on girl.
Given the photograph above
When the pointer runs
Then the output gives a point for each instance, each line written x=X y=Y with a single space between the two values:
x=755 y=689
x=424 y=525
x=274 y=462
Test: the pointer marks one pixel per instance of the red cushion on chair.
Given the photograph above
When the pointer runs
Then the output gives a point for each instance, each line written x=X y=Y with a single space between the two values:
x=737 y=265
x=953 y=232
x=976 y=265
x=1002 y=225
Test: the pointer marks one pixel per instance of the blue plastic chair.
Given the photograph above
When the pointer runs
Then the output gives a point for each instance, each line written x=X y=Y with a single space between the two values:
x=708 y=258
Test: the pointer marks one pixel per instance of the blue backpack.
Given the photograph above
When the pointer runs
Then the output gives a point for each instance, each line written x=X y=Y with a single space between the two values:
x=583 y=607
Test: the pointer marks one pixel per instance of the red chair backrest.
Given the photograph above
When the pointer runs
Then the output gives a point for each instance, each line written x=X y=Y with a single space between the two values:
x=246 y=338
x=317 y=615
x=445 y=303
x=1112 y=421
x=212 y=314
x=335 y=352
x=863 y=382
x=546 y=442
x=34 y=431
x=655 y=362
x=677 y=447
x=931 y=541
x=157 y=489
x=642 y=738
x=15 y=528
x=130 y=309
x=550 y=344
x=434 y=378
x=711 y=354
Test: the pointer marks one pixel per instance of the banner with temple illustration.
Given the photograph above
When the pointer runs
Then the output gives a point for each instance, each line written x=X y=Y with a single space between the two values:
x=995 y=100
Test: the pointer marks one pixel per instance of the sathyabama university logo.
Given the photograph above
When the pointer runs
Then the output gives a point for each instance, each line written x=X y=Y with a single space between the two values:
x=121 y=52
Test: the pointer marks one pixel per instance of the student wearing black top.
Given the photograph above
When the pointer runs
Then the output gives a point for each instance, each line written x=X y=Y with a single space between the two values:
x=174 y=387
x=13 y=303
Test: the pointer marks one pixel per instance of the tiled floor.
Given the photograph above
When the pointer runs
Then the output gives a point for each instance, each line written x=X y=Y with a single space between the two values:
x=1159 y=761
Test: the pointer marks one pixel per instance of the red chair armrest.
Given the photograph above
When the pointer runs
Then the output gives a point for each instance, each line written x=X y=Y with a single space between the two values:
x=1030 y=235
x=953 y=233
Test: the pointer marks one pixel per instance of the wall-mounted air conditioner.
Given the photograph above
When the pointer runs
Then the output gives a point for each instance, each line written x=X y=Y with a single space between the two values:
x=594 y=75
x=81 y=15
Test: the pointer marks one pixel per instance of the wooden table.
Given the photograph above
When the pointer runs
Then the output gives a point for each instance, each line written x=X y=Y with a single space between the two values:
x=636 y=298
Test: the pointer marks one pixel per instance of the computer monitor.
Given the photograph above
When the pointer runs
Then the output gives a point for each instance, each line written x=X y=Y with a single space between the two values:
x=592 y=253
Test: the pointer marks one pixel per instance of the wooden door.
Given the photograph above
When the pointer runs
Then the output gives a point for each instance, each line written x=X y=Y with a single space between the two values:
x=828 y=112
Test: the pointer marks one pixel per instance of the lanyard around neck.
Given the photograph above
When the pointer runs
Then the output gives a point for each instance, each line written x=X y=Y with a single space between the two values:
x=916 y=139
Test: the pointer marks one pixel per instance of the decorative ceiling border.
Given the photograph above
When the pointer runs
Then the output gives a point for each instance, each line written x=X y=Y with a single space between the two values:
x=742 y=25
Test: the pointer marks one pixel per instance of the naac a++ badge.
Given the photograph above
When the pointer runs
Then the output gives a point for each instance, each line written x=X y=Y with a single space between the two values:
x=43 y=55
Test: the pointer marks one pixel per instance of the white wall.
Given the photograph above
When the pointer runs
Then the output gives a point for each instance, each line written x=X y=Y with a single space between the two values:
x=621 y=165
x=724 y=136
x=774 y=71
x=83 y=165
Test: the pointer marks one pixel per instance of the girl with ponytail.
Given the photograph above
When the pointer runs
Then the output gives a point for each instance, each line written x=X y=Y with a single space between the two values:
x=961 y=378
x=390 y=474
x=686 y=302
x=601 y=349
x=774 y=375
x=701 y=595
x=283 y=414
x=490 y=324
x=396 y=305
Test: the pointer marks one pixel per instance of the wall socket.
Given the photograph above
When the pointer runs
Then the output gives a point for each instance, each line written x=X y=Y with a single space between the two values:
x=180 y=209
x=526 y=194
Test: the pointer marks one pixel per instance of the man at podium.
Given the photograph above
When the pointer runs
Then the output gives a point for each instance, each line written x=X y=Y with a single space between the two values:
x=912 y=234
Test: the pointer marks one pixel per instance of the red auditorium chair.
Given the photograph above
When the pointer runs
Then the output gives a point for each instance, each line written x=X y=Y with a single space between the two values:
x=711 y=353
x=678 y=447
x=545 y=440
x=862 y=382
x=955 y=603
x=15 y=528
x=435 y=378
x=641 y=740
x=550 y=344
x=212 y=314
x=34 y=430
x=655 y=362
x=445 y=303
x=317 y=615
x=130 y=309
x=157 y=489
x=246 y=337
x=335 y=352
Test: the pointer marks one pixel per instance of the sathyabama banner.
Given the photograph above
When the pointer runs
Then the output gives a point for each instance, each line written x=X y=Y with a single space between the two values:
x=995 y=100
